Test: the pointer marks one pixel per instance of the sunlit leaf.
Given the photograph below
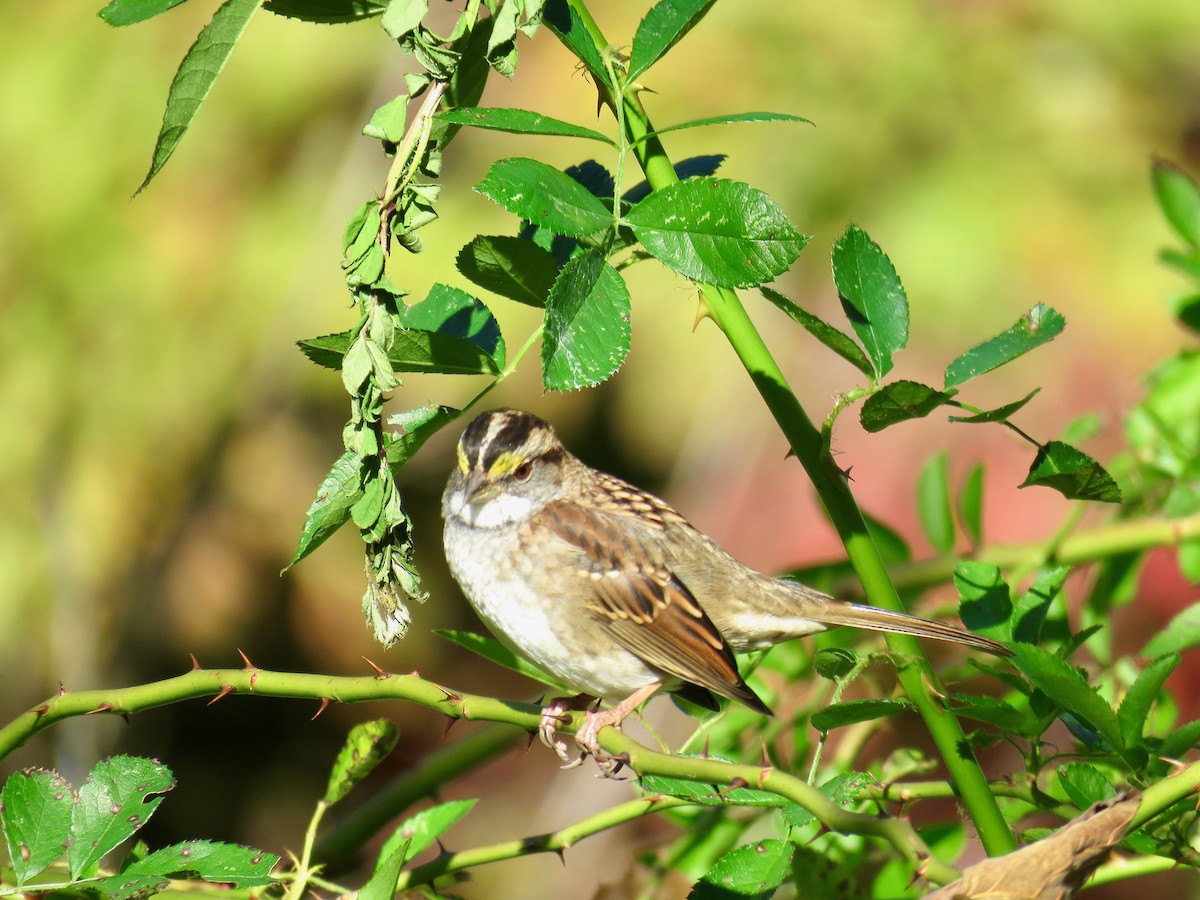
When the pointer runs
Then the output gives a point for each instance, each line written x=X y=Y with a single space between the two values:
x=1072 y=473
x=664 y=26
x=872 y=296
x=717 y=231
x=197 y=74
x=1039 y=326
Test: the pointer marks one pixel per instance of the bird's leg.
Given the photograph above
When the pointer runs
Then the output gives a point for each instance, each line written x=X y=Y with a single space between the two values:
x=587 y=737
x=552 y=715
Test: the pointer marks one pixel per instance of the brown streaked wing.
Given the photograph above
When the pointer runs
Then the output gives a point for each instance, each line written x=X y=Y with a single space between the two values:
x=646 y=608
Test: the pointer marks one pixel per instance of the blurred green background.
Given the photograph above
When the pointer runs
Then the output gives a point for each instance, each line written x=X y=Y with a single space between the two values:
x=163 y=437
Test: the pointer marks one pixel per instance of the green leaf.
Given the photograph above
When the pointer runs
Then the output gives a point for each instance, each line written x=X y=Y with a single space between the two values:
x=454 y=313
x=388 y=123
x=970 y=504
x=840 y=343
x=984 y=601
x=493 y=650
x=717 y=231
x=565 y=22
x=1187 y=311
x=1179 y=199
x=705 y=794
x=545 y=196
x=419 y=832
x=1142 y=695
x=35 y=812
x=1183 y=633
x=238 y=866
x=900 y=401
x=326 y=12
x=992 y=711
x=196 y=76
x=114 y=802
x=1072 y=473
x=365 y=511
x=835 y=663
x=751 y=871
x=851 y=712
x=366 y=746
x=331 y=507
x=663 y=27
x=512 y=267
x=418 y=425
x=587 y=333
x=1188 y=556
x=999 y=414
x=1068 y=689
x=1039 y=326
x=403 y=16
x=1030 y=610
x=382 y=883
x=844 y=790
x=733 y=119
x=1180 y=741
x=872 y=296
x=519 y=121
x=1084 y=784
x=413 y=350
x=130 y=12
x=933 y=502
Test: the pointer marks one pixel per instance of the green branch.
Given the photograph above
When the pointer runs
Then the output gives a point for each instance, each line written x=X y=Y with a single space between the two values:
x=220 y=684
x=725 y=309
x=1088 y=546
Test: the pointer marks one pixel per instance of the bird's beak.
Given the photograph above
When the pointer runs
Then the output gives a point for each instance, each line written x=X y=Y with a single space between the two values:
x=478 y=489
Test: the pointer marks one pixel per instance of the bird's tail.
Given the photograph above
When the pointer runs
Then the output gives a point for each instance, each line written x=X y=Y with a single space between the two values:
x=856 y=616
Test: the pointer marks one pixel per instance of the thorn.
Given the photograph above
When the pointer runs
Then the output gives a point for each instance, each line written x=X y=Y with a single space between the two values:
x=249 y=667
x=62 y=689
x=325 y=701
x=789 y=454
x=733 y=786
x=704 y=752
x=846 y=473
x=196 y=667
x=125 y=716
x=226 y=690
x=561 y=853
x=1176 y=765
x=102 y=708
x=528 y=744
x=380 y=674
x=450 y=720
x=821 y=830
x=41 y=710
x=703 y=311
x=451 y=697
x=762 y=775
x=766 y=756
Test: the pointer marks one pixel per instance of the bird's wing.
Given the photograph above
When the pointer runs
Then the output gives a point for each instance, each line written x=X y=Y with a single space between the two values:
x=635 y=594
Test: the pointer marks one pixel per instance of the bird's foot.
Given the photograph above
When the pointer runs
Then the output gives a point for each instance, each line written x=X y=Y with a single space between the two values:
x=553 y=715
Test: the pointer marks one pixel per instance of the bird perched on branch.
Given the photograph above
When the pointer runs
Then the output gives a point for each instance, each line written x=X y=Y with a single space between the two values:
x=610 y=590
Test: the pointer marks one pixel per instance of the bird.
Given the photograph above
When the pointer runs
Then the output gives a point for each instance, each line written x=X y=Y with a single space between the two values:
x=611 y=591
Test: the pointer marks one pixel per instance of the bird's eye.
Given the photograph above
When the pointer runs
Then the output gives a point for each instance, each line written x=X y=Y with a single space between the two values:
x=523 y=471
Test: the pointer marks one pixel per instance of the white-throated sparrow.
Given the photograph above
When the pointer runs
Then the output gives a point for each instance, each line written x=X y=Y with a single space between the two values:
x=611 y=591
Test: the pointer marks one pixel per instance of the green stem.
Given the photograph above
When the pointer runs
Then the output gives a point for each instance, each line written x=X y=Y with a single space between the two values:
x=1083 y=547
x=221 y=683
x=919 y=680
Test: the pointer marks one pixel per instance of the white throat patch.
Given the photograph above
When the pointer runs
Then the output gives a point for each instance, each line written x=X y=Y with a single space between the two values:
x=495 y=513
